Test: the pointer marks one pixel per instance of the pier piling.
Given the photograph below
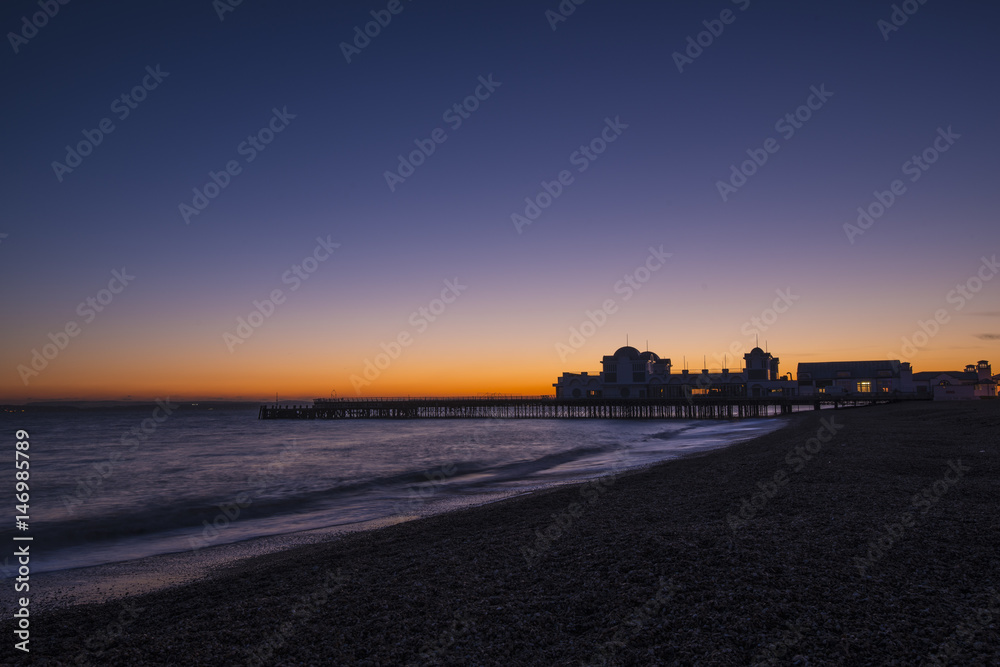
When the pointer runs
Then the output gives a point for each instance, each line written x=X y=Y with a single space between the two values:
x=546 y=407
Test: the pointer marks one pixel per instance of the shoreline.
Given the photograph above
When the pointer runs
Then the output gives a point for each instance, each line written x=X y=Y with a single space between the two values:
x=110 y=582
x=648 y=567
x=106 y=582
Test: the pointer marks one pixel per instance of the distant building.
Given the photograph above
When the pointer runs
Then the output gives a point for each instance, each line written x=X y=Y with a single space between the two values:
x=629 y=373
x=972 y=383
x=855 y=377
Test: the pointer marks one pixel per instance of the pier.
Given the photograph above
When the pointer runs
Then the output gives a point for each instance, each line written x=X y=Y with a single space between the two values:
x=547 y=407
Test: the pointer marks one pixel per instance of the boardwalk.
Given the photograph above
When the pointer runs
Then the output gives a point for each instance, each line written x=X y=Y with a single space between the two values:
x=546 y=407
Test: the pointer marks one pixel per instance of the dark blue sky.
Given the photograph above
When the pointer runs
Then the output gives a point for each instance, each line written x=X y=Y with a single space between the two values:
x=323 y=174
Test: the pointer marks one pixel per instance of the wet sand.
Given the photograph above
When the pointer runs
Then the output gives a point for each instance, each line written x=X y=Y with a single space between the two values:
x=861 y=536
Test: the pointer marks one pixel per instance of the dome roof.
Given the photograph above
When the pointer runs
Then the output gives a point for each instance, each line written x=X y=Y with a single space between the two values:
x=627 y=351
x=757 y=350
x=648 y=356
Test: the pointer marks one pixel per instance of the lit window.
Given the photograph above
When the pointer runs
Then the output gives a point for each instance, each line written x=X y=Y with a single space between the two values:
x=864 y=386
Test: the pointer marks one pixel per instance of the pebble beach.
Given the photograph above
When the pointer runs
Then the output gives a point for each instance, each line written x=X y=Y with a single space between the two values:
x=863 y=536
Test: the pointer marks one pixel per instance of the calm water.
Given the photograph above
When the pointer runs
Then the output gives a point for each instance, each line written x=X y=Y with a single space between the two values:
x=207 y=477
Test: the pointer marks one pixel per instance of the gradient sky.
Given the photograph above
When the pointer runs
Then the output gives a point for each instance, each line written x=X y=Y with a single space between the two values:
x=323 y=176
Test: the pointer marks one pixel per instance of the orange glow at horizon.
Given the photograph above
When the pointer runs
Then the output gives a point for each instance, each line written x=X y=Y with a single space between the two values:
x=441 y=369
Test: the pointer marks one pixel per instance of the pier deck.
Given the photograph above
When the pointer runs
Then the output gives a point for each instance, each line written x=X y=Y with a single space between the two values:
x=547 y=407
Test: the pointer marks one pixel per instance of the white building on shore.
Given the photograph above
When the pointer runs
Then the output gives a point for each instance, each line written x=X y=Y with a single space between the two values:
x=972 y=383
x=629 y=373
x=886 y=376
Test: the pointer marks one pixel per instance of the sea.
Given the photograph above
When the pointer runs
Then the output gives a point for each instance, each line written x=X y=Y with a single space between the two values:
x=111 y=485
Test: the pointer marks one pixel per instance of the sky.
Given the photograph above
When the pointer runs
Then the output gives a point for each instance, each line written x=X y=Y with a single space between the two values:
x=208 y=200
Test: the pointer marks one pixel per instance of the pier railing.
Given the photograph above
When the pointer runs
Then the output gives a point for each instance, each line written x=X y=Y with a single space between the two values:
x=500 y=406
